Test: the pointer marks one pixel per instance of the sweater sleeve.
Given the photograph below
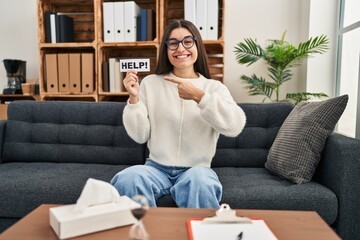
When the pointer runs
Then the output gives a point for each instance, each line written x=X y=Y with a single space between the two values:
x=220 y=110
x=136 y=120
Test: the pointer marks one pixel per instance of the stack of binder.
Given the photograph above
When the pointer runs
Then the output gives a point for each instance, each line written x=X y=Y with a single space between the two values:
x=127 y=22
x=58 y=28
x=205 y=15
x=112 y=77
x=69 y=73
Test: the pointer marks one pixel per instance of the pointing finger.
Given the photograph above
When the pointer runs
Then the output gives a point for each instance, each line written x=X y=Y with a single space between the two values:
x=170 y=79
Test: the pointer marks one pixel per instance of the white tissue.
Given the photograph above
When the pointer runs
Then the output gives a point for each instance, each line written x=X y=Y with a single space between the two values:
x=96 y=192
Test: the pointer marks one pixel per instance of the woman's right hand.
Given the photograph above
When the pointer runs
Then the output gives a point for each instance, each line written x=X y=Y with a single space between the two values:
x=131 y=83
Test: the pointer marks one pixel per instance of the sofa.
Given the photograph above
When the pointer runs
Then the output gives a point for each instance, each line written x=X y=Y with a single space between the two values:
x=50 y=148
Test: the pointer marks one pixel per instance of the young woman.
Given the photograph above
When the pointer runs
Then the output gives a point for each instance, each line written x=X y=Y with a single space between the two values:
x=179 y=112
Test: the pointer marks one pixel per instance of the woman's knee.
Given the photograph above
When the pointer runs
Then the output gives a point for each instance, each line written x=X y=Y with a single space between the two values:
x=129 y=176
x=202 y=175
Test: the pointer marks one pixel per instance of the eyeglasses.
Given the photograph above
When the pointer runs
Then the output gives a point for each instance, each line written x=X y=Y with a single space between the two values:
x=187 y=43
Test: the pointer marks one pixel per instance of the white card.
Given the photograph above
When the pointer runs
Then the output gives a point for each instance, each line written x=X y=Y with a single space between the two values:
x=140 y=65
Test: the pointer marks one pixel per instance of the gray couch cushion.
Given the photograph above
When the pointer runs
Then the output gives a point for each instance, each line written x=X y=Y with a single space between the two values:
x=25 y=186
x=255 y=188
x=56 y=131
x=297 y=149
x=251 y=147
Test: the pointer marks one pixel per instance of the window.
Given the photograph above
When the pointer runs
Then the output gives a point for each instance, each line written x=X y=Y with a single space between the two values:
x=348 y=67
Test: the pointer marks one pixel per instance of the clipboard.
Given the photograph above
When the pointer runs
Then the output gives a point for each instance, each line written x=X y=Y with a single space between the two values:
x=225 y=225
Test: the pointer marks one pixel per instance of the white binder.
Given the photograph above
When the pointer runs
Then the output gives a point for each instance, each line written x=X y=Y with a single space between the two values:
x=201 y=17
x=131 y=11
x=118 y=76
x=212 y=19
x=108 y=19
x=112 y=74
x=119 y=30
x=189 y=11
x=53 y=27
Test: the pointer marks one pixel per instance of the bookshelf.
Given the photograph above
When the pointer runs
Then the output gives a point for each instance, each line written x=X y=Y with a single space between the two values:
x=89 y=38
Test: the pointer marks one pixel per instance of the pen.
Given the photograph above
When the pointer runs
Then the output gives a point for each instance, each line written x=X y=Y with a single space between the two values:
x=239 y=237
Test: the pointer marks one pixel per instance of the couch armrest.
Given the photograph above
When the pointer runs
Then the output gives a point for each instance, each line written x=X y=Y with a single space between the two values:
x=2 y=135
x=339 y=170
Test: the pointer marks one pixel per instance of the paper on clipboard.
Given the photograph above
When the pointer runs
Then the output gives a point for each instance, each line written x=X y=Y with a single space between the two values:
x=200 y=230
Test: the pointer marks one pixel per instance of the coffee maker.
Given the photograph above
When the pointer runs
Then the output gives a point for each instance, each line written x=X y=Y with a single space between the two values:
x=16 y=74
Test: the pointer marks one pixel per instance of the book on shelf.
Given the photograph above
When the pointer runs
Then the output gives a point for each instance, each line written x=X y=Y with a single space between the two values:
x=108 y=20
x=151 y=24
x=64 y=73
x=205 y=16
x=119 y=25
x=131 y=12
x=75 y=72
x=51 y=72
x=87 y=72
x=115 y=76
x=189 y=11
x=105 y=77
x=146 y=25
x=58 y=28
x=66 y=28
x=212 y=21
x=201 y=17
x=112 y=74
x=127 y=22
x=47 y=27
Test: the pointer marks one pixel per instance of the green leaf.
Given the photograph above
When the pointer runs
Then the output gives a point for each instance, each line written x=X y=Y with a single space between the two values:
x=259 y=86
x=248 y=52
x=303 y=96
x=281 y=57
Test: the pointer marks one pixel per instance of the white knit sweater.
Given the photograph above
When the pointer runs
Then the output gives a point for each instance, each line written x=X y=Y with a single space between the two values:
x=181 y=132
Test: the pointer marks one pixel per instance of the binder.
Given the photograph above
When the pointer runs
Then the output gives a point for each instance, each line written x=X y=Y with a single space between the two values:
x=53 y=27
x=108 y=20
x=57 y=27
x=151 y=25
x=138 y=28
x=47 y=27
x=64 y=74
x=190 y=11
x=66 y=28
x=87 y=72
x=131 y=11
x=105 y=76
x=117 y=76
x=112 y=74
x=75 y=72
x=143 y=24
x=201 y=17
x=212 y=19
x=51 y=73
x=119 y=21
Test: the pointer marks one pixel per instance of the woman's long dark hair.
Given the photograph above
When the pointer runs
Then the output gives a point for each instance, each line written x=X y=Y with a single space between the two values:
x=201 y=65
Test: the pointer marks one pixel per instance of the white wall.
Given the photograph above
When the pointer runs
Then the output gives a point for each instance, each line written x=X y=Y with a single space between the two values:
x=321 y=70
x=260 y=19
x=268 y=19
x=18 y=36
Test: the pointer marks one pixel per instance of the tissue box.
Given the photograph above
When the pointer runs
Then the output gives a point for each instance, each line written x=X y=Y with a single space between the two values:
x=67 y=223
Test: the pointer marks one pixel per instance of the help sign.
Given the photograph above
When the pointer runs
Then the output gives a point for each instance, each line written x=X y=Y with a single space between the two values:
x=140 y=65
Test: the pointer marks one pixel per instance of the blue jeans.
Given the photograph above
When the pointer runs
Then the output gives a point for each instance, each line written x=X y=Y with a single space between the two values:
x=196 y=187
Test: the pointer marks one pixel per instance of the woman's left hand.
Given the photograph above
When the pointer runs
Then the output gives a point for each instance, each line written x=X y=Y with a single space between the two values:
x=187 y=90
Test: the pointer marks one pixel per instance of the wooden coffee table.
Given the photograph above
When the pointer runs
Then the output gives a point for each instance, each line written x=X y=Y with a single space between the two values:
x=170 y=224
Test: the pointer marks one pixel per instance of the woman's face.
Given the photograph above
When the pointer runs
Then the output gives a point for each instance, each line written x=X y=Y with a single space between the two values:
x=182 y=58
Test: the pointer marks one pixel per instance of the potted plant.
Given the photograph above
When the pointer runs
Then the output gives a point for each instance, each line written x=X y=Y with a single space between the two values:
x=281 y=57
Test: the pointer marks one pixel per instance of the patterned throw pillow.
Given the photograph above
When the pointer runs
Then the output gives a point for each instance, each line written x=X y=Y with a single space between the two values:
x=297 y=148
